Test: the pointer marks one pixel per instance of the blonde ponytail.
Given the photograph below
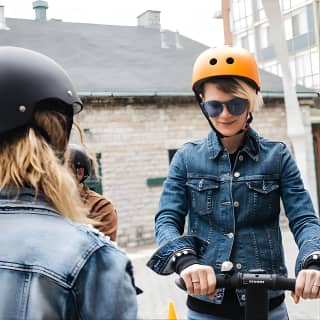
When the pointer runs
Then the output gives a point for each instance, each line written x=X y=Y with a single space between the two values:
x=32 y=162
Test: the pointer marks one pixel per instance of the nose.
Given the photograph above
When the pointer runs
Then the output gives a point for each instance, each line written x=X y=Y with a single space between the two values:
x=225 y=112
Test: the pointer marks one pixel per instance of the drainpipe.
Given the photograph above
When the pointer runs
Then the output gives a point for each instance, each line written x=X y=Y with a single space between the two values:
x=225 y=12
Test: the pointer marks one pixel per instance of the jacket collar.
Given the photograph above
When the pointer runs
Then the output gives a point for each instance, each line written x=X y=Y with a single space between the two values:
x=19 y=196
x=251 y=145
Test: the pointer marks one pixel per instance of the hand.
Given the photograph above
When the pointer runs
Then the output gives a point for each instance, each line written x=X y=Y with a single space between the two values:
x=199 y=280
x=307 y=285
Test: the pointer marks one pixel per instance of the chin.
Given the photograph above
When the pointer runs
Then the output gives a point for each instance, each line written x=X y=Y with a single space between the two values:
x=228 y=132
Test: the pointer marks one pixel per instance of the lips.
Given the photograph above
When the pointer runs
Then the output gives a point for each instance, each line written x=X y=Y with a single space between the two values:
x=227 y=123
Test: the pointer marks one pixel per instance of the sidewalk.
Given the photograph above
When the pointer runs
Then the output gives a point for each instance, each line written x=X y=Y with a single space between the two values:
x=159 y=290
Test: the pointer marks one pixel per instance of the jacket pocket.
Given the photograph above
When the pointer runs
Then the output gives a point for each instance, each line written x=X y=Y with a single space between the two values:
x=263 y=187
x=203 y=194
x=264 y=197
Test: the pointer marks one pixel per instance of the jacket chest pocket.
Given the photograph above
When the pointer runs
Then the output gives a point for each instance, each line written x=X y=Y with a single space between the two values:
x=264 y=196
x=202 y=195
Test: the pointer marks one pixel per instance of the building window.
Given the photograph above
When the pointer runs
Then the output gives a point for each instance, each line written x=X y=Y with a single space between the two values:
x=94 y=181
x=299 y=24
x=259 y=13
x=264 y=36
x=273 y=67
x=245 y=42
x=289 y=4
x=316 y=81
x=288 y=28
x=303 y=65
x=241 y=14
x=251 y=42
x=315 y=60
x=307 y=68
x=315 y=63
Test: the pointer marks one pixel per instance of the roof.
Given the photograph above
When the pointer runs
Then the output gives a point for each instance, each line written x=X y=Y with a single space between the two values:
x=117 y=59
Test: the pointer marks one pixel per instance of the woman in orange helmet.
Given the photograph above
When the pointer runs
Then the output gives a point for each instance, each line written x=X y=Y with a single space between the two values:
x=229 y=186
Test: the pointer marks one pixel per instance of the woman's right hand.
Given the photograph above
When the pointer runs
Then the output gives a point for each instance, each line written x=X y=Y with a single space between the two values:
x=199 y=280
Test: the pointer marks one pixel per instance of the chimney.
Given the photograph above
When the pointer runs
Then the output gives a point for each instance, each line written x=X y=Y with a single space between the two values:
x=149 y=19
x=178 y=42
x=40 y=7
x=3 y=25
x=163 y=39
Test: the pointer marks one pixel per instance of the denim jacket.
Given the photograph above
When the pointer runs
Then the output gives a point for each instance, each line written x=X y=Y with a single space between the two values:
x=233 y=214
x=53 y=268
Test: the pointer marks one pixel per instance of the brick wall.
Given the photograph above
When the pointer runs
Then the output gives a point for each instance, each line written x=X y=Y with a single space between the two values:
x=134 y=135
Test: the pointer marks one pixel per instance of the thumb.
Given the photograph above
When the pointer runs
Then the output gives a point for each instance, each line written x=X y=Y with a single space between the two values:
x=295 y=298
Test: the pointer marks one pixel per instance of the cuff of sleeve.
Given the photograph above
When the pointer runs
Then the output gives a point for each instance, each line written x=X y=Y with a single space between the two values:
x=313 y=266
x=185 y=261
x=163 y=260
x=312 y=261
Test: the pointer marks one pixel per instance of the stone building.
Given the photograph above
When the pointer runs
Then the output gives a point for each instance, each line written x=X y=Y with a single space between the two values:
x=135 y=83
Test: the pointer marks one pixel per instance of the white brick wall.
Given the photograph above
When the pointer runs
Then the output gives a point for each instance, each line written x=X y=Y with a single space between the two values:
x=134 y=139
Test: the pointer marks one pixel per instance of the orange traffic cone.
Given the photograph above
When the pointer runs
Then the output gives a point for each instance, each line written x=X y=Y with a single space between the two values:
x=172 y=312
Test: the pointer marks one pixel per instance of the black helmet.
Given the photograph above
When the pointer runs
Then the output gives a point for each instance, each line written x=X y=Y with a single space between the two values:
x=79 y=158
x=27 y=78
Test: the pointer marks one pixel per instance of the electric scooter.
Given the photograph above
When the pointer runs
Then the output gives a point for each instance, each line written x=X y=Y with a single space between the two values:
x=256 y=283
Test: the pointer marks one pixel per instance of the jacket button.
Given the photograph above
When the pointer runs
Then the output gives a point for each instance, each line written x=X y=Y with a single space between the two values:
x=238 y=266
x=237 y=174
x=229 y=235
x=241 y=157
x=236 y=204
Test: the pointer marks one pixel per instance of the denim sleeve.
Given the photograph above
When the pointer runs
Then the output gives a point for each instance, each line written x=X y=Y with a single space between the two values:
x=303 y=221
x=163 y=260
x=173 y=206
x=104 y=288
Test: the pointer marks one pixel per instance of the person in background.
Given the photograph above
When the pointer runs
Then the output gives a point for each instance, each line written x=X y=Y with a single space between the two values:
x=54 y=264
x=100 y=208
x=229 y=186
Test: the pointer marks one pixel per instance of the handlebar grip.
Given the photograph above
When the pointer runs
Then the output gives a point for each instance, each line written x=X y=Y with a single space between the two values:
x=283 y=283
x=222 y=282
x=228 y=282
x=180 y=283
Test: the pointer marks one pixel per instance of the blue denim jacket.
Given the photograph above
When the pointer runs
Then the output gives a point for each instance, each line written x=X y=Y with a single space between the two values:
x=53 y=268
x=234 y=214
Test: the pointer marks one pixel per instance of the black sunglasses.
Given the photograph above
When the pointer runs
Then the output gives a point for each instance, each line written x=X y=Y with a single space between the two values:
x=235 y=107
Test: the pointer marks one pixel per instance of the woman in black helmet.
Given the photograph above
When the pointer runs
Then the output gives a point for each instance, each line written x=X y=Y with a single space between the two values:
x=53 y=263
x=229 y=186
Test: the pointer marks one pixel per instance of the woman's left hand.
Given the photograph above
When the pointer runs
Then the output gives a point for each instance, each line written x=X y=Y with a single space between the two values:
x=307 y=285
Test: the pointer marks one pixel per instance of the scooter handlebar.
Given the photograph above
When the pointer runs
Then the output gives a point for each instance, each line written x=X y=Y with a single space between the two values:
x=246 y=280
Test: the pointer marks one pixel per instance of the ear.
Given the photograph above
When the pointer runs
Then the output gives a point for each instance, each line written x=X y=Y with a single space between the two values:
x=79 y=174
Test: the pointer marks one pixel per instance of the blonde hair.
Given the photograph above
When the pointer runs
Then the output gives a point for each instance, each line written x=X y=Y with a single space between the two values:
x=30 y=161
x=245 y=91
x=239 y=88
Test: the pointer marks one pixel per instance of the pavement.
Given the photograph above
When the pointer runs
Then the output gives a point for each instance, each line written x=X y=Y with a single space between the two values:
x=159 y=291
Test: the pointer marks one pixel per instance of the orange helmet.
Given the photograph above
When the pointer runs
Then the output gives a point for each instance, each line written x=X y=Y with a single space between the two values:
x=225 y=61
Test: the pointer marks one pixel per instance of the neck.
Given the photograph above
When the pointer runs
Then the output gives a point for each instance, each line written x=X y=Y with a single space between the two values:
x=232 y=144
